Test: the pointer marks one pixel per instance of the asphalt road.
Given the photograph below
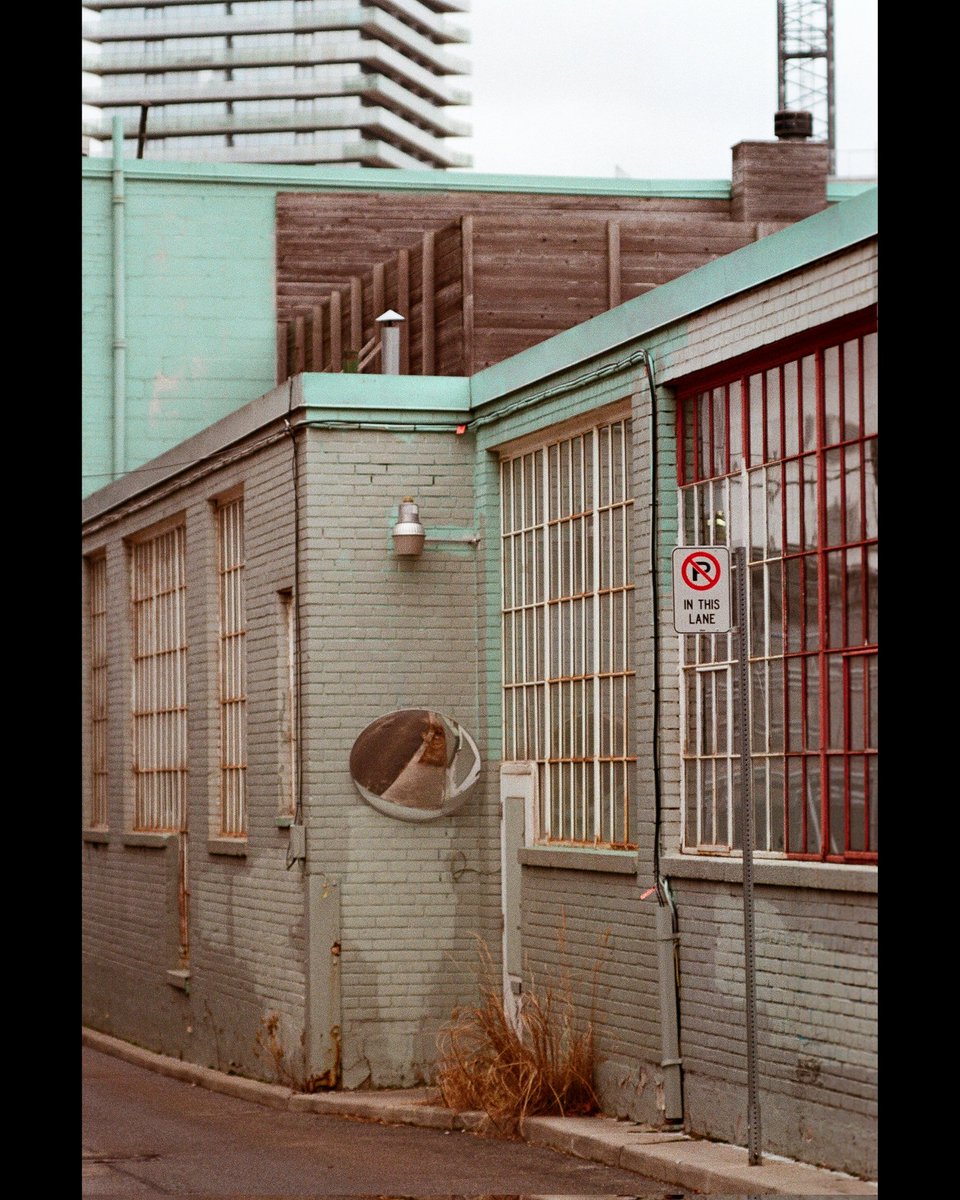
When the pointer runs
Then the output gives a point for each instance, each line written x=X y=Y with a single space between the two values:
x=147 y=1135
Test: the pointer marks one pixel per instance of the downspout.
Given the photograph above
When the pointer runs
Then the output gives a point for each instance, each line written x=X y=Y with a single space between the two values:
x=668 y=977
x=119 y=306
x=668 y=959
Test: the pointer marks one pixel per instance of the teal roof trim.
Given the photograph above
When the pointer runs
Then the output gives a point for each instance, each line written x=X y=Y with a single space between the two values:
x=799 y=245
x=386 y=397
x=844 y=189
x=395 y=402
x=380 y=179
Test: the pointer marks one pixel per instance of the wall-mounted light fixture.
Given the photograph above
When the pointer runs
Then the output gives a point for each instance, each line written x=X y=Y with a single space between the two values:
x=409 y=535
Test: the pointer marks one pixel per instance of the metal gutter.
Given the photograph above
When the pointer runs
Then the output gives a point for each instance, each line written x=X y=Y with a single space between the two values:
x=365 y=179
x=380 y=179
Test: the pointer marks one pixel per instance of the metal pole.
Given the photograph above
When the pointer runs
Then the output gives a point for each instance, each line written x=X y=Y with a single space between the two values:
x=142 y=131
x=746 y=800
x=390 y=350
x=119 y=306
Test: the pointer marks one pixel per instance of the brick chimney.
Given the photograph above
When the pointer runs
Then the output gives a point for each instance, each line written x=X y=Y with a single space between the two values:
x=782 y=181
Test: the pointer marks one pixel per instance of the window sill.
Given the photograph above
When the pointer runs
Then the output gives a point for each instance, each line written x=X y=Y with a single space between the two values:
x=577 y=858
x=773 y=872
x=234 y=847
x=157 y=841
x=97 y=836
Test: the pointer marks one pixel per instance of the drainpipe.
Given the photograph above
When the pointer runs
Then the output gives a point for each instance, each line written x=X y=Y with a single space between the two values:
x=668 y=962
x=667 y=975
x=119 y=306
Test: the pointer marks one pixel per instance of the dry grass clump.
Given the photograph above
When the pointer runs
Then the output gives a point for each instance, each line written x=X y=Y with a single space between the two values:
x=543 y=1064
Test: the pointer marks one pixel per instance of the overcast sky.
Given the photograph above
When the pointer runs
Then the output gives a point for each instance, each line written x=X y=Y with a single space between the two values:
x=653 y=89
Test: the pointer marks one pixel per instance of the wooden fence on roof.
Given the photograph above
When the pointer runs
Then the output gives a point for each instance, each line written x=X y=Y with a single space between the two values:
x=476 y=288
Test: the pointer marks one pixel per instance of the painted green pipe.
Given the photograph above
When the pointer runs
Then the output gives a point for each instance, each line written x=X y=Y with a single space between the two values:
x=119 y=306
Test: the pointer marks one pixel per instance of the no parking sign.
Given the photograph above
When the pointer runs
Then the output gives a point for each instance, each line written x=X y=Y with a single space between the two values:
x=701 y=589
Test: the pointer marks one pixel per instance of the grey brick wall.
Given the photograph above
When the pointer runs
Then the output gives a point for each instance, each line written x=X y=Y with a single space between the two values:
x=792 y=304
x=816 y=947
x=387 y=633
x=816 y=990
x=381 y=633
x=589 y=937
x=246 y=913
x=378 y=634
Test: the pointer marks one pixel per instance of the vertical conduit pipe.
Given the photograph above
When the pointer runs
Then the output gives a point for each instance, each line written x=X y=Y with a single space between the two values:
x=668 y=958
x=119 y=305
x=670 y=1061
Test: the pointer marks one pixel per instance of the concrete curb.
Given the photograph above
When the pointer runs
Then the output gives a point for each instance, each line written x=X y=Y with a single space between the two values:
x=671 y=1158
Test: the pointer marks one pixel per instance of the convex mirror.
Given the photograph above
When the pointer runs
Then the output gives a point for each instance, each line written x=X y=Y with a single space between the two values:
x=415 y=764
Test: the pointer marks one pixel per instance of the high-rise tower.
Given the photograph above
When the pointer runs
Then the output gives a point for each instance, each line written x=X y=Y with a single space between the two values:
x=358 y=82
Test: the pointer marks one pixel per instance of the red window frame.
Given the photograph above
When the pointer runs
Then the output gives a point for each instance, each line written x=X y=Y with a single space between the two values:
x=816 y=625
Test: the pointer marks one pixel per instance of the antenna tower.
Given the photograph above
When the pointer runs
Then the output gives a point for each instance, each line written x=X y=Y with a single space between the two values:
x=805 y=65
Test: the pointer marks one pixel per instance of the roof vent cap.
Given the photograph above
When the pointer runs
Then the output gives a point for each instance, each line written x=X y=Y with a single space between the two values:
x=789 y=125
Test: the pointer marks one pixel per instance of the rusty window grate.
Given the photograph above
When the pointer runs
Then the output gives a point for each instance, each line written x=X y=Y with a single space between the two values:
x=159 y=681
x=782 y=457
x=567 y=627
x=233 y=684
x=97 y=583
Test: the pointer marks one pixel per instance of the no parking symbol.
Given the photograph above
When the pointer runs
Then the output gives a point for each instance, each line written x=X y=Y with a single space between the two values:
x=701 y=589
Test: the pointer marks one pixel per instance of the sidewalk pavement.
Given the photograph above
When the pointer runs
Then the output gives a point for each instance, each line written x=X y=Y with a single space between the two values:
x=673 y=1158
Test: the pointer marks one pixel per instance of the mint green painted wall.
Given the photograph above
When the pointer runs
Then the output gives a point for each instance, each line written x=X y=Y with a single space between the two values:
x=96 y=333
x=200 y=309
x=200 y=300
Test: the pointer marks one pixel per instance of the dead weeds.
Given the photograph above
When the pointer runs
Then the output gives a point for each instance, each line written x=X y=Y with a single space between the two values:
x=540 y=1063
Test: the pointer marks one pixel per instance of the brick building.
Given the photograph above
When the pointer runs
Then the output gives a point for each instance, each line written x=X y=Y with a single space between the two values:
x=247 y=617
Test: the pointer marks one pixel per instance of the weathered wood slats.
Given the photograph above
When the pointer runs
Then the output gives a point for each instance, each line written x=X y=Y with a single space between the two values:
x=322 y=240
x=480 y=276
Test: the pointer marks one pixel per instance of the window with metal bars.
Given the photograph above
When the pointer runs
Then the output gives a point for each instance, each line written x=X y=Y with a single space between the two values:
x=781 y=456
x=233 y=684
x=159 y=680
x=567 y=628
x=97 y=585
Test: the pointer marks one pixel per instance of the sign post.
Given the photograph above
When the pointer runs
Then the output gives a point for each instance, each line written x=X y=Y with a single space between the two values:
x=746 y=800
x=702 y=605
